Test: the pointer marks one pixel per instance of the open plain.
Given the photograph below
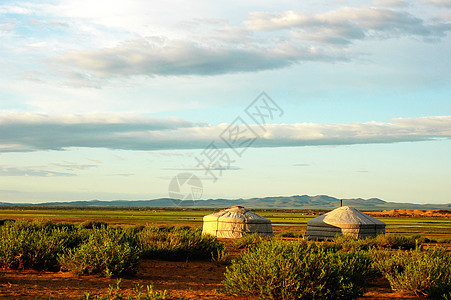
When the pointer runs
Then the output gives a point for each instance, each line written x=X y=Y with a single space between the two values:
x=189 y=279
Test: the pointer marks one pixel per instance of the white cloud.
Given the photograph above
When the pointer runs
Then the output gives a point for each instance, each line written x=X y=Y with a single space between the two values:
x=16 y=9
x=31 y=171
x=6 y=29
x=137 y=37
x=343 y=25
x=439 y=3
x=395 y=130
x=135 y=17
x=123 y=174
x=72 y=166
x=72 y=119
x=53 y=24
x=159 y=56
x=206 y=168
x=62 y=132
x=5 y=147
x=222 y=49
x=391 y=3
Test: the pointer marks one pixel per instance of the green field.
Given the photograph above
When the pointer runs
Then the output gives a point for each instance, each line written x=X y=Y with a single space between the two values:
x=282 y=220
x=128 y=216
x=78 y=241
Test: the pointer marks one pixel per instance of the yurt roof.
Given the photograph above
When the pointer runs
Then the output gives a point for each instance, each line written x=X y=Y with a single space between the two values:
x=343 y=216
x=236 y=214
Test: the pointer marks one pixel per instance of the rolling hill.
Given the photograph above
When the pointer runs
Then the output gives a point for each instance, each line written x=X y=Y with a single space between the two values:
x=320 y=202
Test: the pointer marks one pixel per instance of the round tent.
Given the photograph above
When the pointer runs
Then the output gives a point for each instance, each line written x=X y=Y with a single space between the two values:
x=234 y=222
x=344 y=220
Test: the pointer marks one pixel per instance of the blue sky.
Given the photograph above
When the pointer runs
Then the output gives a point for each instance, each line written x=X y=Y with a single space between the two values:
x=112 y=99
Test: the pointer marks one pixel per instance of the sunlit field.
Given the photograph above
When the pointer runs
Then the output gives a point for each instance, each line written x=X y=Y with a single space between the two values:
x=293 y=221
x=164 y=250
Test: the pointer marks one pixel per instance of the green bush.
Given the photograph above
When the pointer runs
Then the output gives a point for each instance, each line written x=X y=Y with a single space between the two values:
x=396 y=241
x=36 y=244
x=135 y=229
x=250 y=240
x=3 y=221
x=221 y=258
x=107 y=251
x=444 y=240
x=177 y=243
x=389 y=241
x=90 y=224
x=293 y=270
x=115 y=293
x=289 y=234
x=68 y=226
x=94 y=248
x=420 y=272
x=350 y=243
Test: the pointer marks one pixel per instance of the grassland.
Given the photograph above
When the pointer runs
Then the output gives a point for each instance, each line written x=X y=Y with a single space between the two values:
x=75 y=240
x=140 y=216
x=295 y=221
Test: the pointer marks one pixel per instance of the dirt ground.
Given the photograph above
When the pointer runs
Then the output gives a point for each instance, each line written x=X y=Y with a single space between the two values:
x=417 y=213
x=183 y=280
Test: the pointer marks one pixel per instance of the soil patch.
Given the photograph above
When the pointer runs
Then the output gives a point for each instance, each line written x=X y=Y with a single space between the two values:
x=417 y=213
x=183 y=280
x=380 y=289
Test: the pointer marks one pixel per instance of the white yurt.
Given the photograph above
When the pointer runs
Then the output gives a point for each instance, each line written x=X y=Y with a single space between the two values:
x=344 y=220
x=234 y=222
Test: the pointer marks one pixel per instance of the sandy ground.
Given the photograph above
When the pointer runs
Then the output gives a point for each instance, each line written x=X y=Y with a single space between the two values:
x=183 y=280
x=442 y=214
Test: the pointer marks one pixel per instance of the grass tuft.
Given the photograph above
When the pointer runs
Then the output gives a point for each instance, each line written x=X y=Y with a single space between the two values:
x=297 y=270
x=421 y=272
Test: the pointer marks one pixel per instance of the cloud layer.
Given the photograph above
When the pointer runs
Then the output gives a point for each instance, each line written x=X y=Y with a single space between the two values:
x=30 y=132
x=154 y=56
x=346 y=24
x=262 y=41
x=31 y=171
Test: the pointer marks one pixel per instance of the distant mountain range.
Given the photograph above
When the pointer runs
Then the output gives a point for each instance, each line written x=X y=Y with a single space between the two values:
x=320 y=202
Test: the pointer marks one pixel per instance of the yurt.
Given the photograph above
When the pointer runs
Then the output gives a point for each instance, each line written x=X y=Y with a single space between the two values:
x=344 y=220
x=234 y=222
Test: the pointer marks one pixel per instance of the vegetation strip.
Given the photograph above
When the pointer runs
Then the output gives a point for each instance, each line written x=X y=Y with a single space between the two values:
x=266 y=267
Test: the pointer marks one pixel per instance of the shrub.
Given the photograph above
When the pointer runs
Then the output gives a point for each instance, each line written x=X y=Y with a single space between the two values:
x=3 y=221
x=286 y=234
x=68 y=226
x=397 y=241
x=133 y=230
x=289 y=234
x=110 y=251
x=293 y=270
x=36 y=245
x=389 y=241
x=185 y=228
x=350 y=243
x=420 y=272
x=221 y=257
x=115 y=293
x=107 y=251
x=444 y=240
x=90 y=224
x=177 y=243
x=250 y=240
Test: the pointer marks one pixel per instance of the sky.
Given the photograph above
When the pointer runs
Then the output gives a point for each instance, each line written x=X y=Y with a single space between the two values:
x=137 y=99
